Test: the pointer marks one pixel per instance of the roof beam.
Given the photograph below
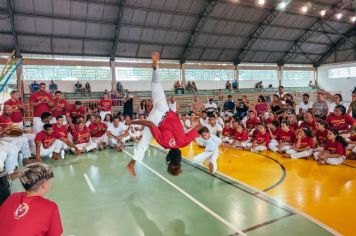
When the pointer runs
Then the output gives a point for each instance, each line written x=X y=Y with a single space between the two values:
x=198 y=26
x=13 y=28
x=117 y=30
x=341 y=4
x=252 y=38
x=334 y=46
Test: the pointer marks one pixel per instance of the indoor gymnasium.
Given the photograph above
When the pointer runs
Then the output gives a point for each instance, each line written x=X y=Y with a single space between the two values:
x=177 y=117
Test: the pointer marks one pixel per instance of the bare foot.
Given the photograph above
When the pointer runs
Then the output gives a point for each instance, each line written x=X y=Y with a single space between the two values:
x=285 y=155
x=131 y=168
x=14 y=175
x=211 y=168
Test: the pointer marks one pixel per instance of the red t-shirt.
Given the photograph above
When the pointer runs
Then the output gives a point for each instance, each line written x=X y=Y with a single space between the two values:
x=334 y=148
x=251 y=123
x=60 y=131
x=81 y=136
x=76 y=113
x=5 y=121
x=286 y=137
x=28 y=216
x=101 y=129
x=261 y=138
x=261 y=107
x=60 y=106
x=353 y=136
x=16 y=107
x=275 y=132
x=342 y=122
x=310 y=125
x=170 y=133
x=306 y=142
x=105 y=105
x=241 y=137
x=321 y=137
x=227 y=132
x=293 y=126
x=45 y=139
x=42 y=107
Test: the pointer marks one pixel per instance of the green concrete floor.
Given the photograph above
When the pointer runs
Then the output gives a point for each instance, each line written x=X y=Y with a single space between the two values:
x=196 y=204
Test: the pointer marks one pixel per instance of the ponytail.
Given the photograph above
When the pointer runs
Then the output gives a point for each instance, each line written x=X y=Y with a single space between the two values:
x=339 y=138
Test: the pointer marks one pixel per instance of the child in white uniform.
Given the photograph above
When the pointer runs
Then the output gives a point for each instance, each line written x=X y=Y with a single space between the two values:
x=211 y=153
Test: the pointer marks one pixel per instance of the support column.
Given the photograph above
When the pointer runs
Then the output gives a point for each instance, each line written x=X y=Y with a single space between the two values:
x=182 y=75
x=113 y=76
x=316 y=76
x=19 y=80
x=280 y=75
x=237 y=76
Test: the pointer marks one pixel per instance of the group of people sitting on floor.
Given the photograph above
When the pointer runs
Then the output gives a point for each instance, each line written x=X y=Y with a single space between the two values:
x=59 y=127
x=328 y=136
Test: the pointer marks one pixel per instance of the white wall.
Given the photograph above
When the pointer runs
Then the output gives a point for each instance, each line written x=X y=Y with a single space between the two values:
x=143 y=85
x=343 y=85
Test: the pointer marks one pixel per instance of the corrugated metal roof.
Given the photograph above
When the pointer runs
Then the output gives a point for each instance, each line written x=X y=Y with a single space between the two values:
x=88 y=28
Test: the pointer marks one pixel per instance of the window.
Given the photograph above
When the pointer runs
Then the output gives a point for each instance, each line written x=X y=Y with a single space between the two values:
x=34 y=72
x=297 y=78
x=339 y=73
x=201 y=74
x=131 y=73
x=249 y=78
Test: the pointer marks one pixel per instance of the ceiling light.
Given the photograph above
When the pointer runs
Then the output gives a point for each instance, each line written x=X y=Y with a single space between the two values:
x=353 y=19
x=261 y=2
x=323 y=12
x=338 y=16
x=304 y=9
x=282 y=5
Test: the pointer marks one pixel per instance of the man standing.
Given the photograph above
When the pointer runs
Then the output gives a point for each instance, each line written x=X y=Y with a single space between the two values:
x=41 y=101
x=34 y=87
x=16 y=107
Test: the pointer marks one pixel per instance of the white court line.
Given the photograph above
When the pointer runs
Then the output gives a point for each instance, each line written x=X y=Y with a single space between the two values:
x=222 y=220
x=277 y=201
x=90 y=184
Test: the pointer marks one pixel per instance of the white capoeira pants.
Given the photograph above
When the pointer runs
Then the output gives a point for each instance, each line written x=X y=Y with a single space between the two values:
x=212 y=156
x=21 y=143
x=113 y=142
x=160 y=108
x=273 y=146
x=99 y=140
x=103 y=114
x=86 y=146
x=8 y=157
x=56 y=147
x=295 y=154
x=259 y=148
x=37 y=124
x=331 y=161
x=352 y=147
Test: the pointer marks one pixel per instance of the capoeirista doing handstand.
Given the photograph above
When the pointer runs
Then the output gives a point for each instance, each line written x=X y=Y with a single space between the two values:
x=164 y=125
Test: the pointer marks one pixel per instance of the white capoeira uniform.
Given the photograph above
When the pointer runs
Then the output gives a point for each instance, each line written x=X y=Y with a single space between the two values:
x=56 y=147
x=211 y=152
x=332 y=160
x=101 y=139
x=8 y=157
x=37 y=124
x=172 y=106
x=273 y=146
x=296 y=154
x=116 y=131
x=86 y=146
x=22 y=144
x=160 y=108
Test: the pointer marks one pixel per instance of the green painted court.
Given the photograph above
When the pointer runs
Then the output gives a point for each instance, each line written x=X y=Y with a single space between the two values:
x=96 y=196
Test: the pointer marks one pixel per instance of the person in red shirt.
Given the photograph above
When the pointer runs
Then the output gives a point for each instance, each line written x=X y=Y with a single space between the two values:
x=98 y=133
x=162 y=124
x=49 y=143
x=302 y=146
x=308 y=122
x=273 y=130
x=59 y=128
x=29 y=213
x=293 y=122
x=76 y=112
x=227 y=132
x=105 y=106
x=340 y=120
x=59 y=108
x=21 y=142
x=17 y=108
x=321 y=134
x=260 y=139
x=334 y=150
x=284 y=139
x=240 y=136
x=82 y=139
x=252 y=121
x=41 y=101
